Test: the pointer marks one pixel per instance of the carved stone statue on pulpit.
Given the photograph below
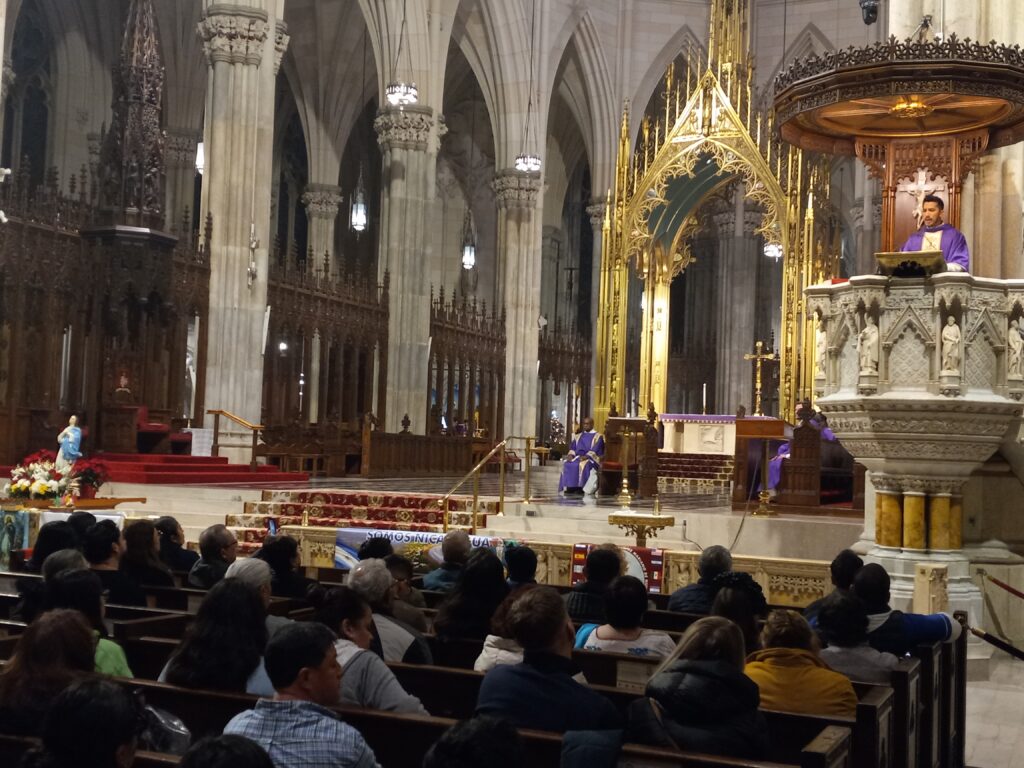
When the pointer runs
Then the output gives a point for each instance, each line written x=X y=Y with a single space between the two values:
x=1015 y=347
x=868 y=346
x=820 y=346
x=951 y=346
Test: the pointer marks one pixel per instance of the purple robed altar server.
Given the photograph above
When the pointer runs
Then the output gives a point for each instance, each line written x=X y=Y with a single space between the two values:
x=950 y=240
x=583 y=459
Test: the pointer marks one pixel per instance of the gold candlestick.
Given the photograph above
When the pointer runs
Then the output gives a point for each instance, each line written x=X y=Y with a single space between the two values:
x=759 y=357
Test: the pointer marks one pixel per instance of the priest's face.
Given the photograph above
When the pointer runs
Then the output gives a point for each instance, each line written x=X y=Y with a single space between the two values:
x=588 y=424
x=931 y=214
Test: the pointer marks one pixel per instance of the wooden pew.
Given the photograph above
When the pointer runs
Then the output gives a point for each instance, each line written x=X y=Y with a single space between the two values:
x=13 y=748
x=930 y=724
x=599 y=667
x=207 y=712
x=452 y=692
x=434 y=599
x=872 y=729
x=619 y=670
x=147 y=656
x=905 y=682
x=188 y=599
x=122 y=623
x=953 y=657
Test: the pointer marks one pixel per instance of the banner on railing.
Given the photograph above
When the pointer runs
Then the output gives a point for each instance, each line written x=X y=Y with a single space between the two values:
x=422 y=548
x=644 y=563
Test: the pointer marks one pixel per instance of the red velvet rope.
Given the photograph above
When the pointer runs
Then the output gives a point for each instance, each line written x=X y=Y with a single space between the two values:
x=1004 y=585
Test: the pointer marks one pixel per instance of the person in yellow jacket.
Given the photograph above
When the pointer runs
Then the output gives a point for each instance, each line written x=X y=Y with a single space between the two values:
x=791 y=676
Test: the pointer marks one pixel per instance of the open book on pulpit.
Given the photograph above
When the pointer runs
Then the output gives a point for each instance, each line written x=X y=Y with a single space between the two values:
x=910 y=263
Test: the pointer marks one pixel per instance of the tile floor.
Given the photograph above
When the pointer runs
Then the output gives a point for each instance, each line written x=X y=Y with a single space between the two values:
x=995 y=716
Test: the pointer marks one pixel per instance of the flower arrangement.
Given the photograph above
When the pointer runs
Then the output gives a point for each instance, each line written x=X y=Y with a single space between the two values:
x=89 y=474
x=36 y=478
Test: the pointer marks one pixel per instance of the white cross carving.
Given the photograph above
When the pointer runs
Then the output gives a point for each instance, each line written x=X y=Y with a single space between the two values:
x=920 y=188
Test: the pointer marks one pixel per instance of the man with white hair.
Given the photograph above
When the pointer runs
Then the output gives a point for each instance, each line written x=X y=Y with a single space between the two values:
x=393 y=640
x=256 y=573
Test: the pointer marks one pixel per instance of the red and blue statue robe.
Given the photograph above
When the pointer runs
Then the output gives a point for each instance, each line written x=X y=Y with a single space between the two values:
x=952 y=243
x=584 y=457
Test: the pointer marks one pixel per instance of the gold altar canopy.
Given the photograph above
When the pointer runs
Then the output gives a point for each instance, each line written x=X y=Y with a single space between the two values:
x=708 y=123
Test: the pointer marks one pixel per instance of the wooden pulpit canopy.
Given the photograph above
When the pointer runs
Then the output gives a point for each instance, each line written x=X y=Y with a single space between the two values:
x=918 y=113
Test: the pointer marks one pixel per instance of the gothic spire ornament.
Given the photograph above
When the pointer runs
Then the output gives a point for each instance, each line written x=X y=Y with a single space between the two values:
x=131 y=167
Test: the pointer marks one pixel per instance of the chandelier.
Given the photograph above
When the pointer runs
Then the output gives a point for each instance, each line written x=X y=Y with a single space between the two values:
x=527 y=161
x=358 y=215
x=910 y=108
x=398 y=92
x=468 y=242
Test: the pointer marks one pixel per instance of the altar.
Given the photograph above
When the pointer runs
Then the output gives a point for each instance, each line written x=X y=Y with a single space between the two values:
x=698 y=433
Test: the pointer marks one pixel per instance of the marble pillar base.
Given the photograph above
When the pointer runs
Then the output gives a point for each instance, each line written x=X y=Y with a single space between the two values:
x=962 y=592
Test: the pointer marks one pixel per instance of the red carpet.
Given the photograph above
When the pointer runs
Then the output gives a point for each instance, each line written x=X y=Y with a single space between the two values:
x=337 y=508
x=167 y=469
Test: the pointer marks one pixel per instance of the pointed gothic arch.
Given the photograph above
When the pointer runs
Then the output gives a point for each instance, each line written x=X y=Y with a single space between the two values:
x=707 y=115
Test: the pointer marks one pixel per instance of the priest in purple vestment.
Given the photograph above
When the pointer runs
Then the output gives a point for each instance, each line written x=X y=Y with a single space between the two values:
x=936 y=236
x=582 y=461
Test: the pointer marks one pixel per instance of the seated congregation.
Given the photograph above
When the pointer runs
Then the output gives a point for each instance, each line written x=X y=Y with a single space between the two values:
x=273 y=668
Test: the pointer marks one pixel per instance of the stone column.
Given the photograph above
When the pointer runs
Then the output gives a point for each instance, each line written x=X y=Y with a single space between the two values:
x=408 y=142
x=737 y=286
x=518 y=197
x=322 y=202
x=596 y=213
x=8 y=16
x=243 y=55
x=179 y=191
x=987 y=248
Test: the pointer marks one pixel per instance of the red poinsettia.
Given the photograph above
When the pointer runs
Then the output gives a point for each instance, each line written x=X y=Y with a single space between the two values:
x=39 y=457
x=92 y=472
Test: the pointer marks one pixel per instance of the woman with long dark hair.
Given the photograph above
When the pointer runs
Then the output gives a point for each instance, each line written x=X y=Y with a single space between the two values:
x=55 y=651
x=479 y=590
x=223 y=649
x=366 y=680
x=282 y=555
x=141 y=559
x=53 y=536
x=92 y=724
x=172 y=545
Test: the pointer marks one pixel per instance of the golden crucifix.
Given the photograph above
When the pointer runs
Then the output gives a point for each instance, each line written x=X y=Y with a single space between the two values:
x=759 y=357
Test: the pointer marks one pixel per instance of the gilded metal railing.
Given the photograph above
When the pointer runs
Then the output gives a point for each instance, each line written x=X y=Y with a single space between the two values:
x=475 y=472
x=254 y=428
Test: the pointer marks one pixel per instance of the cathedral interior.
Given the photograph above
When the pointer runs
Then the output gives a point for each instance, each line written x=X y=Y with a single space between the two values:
x=321 y=224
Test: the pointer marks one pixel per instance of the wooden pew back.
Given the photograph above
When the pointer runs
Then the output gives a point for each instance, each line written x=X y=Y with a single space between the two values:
x=872 y=729
x=207 y=712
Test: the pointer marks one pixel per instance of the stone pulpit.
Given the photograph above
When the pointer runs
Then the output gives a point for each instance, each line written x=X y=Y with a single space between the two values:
x=920 y=379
